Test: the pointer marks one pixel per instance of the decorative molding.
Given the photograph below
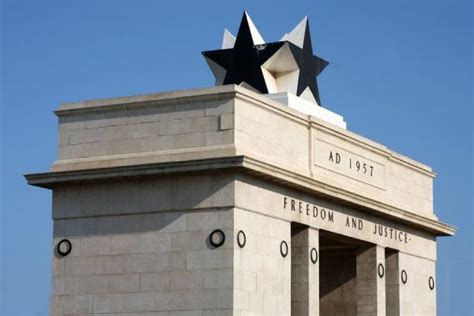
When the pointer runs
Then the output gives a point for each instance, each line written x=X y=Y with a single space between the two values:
x=284 y=249
x=404 y=276
x=217 y=238
x=64 y=247
x=255 y=167
x=380 y=270
x=313 y=255
x=241 y=239
x=431 y=283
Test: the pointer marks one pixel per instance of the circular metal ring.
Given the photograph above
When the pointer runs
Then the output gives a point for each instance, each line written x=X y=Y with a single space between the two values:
x=313 y=255
x=284 y=249
x=381 y=270
x=431 y=283
x=404 y=276
x=217 y=238
x=64 y=247
x=241 y=239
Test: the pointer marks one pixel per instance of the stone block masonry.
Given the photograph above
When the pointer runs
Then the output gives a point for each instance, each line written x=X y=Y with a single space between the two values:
x=166 y=265
x=307 y=218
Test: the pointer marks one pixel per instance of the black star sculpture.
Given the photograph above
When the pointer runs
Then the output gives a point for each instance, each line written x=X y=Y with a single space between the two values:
x=310 y=66
x=285 y=66
x=242 y=63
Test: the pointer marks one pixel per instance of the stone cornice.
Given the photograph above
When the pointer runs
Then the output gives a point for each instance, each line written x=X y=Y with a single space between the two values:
x=253 y=166
x=149 y=100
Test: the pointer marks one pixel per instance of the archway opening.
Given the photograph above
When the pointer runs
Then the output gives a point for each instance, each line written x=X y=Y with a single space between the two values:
x=338 y=273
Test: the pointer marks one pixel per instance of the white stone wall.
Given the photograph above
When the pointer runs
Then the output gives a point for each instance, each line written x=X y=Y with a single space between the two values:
x=262 y=276
x=293 y=141
x=127 y=266
x=268 y=198
x=140 y=245
x=263 y=132
x=121 y=132
x=396 y=180
x=143 y=196
x=143 y=246
x=227 y=121
x=416 y=298
x=413 y=297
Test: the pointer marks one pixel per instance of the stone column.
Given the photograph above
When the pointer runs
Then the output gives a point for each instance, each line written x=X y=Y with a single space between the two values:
x=392 y=285
x=370 y=286
x=304 y=271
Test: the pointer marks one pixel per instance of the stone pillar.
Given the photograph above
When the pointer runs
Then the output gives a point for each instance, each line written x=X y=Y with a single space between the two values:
x=370 y=286
x=304 y=271
x=417 y=292
x=392 y=284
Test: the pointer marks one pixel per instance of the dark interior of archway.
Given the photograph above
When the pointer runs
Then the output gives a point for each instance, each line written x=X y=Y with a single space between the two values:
x=337 y=272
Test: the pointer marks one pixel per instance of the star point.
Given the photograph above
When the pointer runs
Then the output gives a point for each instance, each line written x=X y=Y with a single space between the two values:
x=284 y=66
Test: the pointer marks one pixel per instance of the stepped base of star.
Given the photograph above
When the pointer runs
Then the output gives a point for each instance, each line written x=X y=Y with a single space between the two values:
x=306 y=107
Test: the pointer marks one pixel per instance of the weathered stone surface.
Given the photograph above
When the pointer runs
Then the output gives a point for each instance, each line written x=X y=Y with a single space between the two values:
x=369 y=285
x=141 y=182
x=304 y=271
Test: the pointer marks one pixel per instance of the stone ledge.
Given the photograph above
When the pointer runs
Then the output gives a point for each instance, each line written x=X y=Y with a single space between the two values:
x=247 y=164
x=153 y=99
x=187 y=154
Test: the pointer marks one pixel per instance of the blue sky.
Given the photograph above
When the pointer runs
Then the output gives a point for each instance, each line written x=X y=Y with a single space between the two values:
x=400 y=72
